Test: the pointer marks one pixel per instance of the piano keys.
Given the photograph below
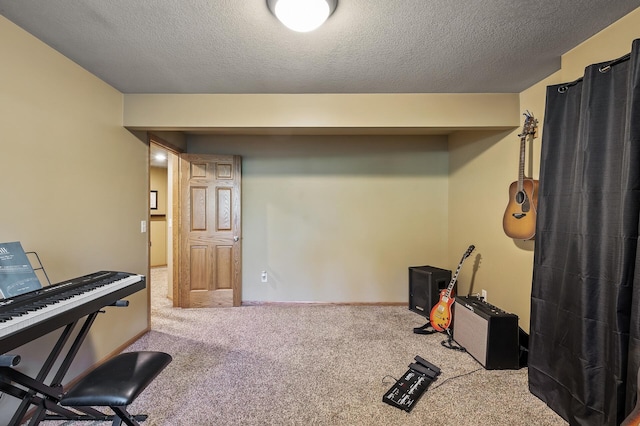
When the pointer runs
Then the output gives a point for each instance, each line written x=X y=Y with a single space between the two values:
x=26 y=317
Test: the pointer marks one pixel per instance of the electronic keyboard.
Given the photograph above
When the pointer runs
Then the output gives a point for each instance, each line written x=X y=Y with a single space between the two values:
x=26 y=317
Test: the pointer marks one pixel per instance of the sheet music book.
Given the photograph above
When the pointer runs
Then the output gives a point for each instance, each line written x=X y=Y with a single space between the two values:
x=16 y=273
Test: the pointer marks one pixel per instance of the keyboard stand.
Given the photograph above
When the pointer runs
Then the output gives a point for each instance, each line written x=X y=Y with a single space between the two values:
x=34 y=392
x=31 y=388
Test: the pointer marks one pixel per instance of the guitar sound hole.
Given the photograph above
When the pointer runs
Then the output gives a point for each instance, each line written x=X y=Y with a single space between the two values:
x=520 y=197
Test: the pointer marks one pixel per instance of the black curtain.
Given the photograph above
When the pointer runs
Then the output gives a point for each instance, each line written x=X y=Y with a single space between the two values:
x=584 y=342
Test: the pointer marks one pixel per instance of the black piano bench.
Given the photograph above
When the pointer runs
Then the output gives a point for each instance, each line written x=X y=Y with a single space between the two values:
x=117 y=383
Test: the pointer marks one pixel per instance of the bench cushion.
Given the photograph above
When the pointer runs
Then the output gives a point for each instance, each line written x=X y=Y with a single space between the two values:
x=118 y=381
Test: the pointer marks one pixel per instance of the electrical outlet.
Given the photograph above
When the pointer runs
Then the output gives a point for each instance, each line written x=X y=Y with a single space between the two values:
x=264 y=277
x=484 y=295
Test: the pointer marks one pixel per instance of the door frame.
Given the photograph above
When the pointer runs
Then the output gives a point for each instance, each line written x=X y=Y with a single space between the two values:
x=175 y=211
x=175 y=225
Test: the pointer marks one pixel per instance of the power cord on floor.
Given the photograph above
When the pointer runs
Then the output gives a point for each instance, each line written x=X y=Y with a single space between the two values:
x=456 y=377
x=389 y=376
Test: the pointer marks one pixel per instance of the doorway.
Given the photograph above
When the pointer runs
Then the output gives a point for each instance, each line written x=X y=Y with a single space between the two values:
x=201 y=192
x=162 y=164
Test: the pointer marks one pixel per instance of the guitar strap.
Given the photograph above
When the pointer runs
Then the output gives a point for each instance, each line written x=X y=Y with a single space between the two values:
x=425 y=329
x=452 y=344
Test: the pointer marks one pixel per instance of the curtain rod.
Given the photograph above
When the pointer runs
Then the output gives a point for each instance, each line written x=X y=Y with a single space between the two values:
x=604 y=68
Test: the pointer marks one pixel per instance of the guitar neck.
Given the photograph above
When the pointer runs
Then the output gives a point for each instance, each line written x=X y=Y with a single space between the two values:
x=454 y=279
x=523 y=142
x=528 y=129
x=455 y=276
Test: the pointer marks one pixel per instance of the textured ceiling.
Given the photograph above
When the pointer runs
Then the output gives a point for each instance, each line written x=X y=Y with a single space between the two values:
x=366 y=46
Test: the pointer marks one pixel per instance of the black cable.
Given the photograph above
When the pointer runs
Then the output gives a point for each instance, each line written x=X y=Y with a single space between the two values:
x=389 y=375
x=449 y=342
x=455 y=377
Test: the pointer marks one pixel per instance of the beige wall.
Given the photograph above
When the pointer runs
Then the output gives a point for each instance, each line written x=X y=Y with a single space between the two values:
x=158 y=221
x=483 y=165
x=74 y=182
x=338 y=219
x=158 y=182
x=266 y=112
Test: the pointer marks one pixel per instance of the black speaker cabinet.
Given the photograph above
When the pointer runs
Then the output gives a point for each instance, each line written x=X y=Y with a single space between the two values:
x=425 y=283
x=488 y=333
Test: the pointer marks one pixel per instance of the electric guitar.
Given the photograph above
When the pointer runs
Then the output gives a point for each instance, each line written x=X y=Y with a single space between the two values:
x=440 y=317
x=633 y=419
x=519 y=219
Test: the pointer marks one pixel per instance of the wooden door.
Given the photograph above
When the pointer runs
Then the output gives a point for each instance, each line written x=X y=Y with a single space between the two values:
x=209 y=231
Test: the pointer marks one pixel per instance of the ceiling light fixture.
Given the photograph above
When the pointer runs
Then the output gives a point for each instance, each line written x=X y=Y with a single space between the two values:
x=302 y=15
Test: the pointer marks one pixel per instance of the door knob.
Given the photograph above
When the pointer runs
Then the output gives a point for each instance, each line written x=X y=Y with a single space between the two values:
x=236 y=238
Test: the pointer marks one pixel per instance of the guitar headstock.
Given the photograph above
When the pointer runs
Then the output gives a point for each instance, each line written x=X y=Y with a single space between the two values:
x=469 y=251
x=530 y=126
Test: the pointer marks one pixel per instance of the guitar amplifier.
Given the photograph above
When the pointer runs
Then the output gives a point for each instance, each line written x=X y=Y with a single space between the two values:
x=425 y=284
x=488 y=333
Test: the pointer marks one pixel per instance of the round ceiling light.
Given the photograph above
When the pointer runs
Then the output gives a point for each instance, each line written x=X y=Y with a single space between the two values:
x=302 y=15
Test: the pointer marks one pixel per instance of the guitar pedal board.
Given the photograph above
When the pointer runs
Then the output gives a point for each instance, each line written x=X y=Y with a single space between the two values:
x=409 y=388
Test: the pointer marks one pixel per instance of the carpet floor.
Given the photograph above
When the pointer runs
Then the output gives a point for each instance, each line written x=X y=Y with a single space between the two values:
x=315 y=365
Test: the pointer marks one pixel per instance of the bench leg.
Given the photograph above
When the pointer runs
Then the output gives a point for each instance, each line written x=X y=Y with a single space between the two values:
x=123 y=416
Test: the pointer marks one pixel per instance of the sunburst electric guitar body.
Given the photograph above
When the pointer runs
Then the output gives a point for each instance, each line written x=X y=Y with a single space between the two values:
x=633 y=419
x=519 y=220
x=441 y=315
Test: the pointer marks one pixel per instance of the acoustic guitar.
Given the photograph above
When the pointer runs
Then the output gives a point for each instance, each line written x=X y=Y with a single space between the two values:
x=440 y=317
x=519 y=221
